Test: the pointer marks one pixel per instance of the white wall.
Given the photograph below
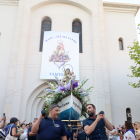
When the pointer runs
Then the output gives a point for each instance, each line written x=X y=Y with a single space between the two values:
x=122 y=95
x=61 y=21
x=93 y=60
x=8 y=16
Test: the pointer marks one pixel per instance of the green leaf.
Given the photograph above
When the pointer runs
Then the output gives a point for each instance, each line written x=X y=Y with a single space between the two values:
x=134 y=54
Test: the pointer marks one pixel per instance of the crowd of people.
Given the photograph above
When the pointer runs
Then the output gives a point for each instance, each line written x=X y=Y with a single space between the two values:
x=95 y=127
x=127 y=131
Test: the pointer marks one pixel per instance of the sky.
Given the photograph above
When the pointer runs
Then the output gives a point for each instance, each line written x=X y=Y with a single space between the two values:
x=137 y=18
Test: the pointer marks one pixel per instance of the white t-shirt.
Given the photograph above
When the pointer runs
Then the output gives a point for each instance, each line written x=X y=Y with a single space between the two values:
x=129 y=136
x=112 y=131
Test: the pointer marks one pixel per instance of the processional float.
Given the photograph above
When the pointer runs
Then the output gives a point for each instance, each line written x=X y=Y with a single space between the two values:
x=69 y=95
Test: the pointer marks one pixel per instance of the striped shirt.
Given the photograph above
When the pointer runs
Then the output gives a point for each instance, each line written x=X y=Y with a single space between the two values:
x=2 y=134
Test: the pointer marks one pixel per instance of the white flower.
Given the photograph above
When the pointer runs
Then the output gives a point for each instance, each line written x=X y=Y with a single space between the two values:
x=49 y=97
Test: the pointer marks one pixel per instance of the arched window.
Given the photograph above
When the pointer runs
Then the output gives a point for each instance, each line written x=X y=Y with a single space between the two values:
x=128 y=114
x=46 y=26
x=120 y=43
x=77 y=28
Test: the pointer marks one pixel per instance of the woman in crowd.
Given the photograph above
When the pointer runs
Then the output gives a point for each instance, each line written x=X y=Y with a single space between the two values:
x=130 y=132
x=23 y=128
x=137 y=131
x=112 y=133
x=24 y=132
x=12 y=127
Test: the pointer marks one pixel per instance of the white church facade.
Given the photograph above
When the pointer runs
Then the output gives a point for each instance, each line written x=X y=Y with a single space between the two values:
x=106 y=29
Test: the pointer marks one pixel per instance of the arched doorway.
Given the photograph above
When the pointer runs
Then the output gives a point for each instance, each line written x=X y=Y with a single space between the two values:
x=34 y=104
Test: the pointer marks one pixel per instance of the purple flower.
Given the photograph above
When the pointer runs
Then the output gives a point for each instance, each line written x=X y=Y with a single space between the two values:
x=61 y=83
x=68 y=87
x=63 y=89
x=75 y=84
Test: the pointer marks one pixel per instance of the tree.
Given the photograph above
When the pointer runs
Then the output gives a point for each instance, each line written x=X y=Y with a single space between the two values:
x=134 y=54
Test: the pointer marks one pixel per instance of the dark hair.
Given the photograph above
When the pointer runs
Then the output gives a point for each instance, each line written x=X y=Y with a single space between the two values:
x=8 y=124
x=91 y=105
x=22 y=124
x=53 y=106
x=113 y=127
x=122 y=127
x=35 y=119
x=128 y=125
x=13 y=120
x=27 y=124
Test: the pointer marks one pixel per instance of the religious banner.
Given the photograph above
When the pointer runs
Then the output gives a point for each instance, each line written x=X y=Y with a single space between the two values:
x=60 y=50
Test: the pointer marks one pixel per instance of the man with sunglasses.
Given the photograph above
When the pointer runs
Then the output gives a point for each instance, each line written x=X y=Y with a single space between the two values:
x=50 y=127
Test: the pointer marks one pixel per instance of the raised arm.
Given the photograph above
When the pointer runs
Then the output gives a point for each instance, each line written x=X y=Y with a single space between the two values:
x=76 y=134
x=21 y=123
x=89 y=129
x=3 y=123
x=35 y=126
x=32 y=134
x=112 y=132
x=1 y=119
x=108 y=125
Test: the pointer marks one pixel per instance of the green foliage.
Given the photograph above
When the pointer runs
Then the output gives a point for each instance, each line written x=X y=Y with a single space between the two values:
x=46 y=105
x=54 y=98
x=88 y=90
x=84 y=81
x=47 y=109
x=134 y=54
x=84 y=113
x=138 y=27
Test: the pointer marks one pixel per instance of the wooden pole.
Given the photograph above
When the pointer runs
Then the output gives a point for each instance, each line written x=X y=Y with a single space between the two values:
x=71 y=87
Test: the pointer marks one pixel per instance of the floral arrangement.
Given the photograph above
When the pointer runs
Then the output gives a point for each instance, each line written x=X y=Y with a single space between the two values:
x=60 y=90
x=63 y=57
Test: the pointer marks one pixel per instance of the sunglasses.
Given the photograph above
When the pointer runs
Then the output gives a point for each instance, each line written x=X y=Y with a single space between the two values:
x=54 y=106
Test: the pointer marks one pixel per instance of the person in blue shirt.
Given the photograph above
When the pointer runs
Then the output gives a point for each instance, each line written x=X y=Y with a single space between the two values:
x=50 y=128
x=72 y=130
x=32 y=136
x=68 y=135
x=13 y=128
x=94 y=126
x=80 y=133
